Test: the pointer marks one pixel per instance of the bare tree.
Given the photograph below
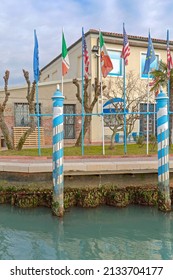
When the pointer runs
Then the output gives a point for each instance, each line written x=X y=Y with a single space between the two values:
x=135 y=94
x=88 y=104
x=4 y=128
x=8 y=137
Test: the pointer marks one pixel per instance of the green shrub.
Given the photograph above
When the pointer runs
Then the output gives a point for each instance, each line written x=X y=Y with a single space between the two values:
x=140 y=140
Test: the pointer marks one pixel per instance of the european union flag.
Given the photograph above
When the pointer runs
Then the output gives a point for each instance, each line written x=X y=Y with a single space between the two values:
x=36 y=59
x=150 y=57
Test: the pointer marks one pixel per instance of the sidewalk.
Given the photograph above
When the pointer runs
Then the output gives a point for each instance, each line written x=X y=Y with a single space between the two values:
x=83 y=165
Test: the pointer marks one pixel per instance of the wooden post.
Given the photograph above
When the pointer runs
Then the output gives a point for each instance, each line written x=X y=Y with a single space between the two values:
x=164 y=201
x=58 y=154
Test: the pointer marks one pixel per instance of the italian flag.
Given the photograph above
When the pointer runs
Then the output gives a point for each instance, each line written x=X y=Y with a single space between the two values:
x=65 y=58
x=106 y=63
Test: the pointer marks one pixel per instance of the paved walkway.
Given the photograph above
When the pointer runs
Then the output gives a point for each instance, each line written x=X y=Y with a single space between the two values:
x=83 y=165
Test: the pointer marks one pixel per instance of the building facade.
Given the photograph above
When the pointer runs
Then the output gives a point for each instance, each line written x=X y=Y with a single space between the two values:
x=17 y=111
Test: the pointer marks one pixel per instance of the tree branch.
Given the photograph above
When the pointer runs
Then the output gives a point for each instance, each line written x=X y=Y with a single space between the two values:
x=7 y=93
x=76 y=83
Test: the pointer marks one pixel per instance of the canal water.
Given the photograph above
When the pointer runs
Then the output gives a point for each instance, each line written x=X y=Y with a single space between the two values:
x=87 y=234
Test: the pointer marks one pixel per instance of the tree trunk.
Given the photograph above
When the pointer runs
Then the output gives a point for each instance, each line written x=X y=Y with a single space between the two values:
x=87 y=121
x=5 y=131
x=88 y=104
x=112 y=141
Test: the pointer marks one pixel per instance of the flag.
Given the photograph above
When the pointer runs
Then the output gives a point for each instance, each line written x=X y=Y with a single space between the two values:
x=65 y=58
x=169 y=57
x=150 y=57
x=126 y=49
x=106 y=63
x=36 y=59
x=85 y=55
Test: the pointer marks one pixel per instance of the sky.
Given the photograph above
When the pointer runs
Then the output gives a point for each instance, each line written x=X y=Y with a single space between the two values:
x=19 y=18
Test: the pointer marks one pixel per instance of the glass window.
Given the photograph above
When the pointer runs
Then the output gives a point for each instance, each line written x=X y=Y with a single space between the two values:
x=69 y=122
x=116 y=59
x=154 y=65
x=21 y=114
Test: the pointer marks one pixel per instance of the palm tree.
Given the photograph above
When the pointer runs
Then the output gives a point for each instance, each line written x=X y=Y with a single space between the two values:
x=160 y=78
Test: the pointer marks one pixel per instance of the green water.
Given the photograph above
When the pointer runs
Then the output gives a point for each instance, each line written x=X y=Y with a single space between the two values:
x=102 y=233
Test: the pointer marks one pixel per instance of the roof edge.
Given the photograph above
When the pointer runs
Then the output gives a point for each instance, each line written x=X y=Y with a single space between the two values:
x=110 y=34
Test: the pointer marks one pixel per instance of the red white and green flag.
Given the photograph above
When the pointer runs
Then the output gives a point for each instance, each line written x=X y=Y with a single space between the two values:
x=106 y=63
x=65 y=58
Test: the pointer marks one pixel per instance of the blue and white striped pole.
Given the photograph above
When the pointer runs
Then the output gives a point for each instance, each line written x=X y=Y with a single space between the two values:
x=164 y=201
x=58 y=154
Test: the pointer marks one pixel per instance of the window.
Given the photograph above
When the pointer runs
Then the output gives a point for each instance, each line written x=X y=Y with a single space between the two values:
x=154 y=65
x=115 y=57
x=21 y=114
x=69 y=122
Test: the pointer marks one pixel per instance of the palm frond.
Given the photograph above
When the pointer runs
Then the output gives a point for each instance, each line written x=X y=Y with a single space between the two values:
x=159 y=76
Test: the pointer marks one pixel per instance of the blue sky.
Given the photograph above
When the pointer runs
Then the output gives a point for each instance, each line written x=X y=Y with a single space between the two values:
x=19 y=18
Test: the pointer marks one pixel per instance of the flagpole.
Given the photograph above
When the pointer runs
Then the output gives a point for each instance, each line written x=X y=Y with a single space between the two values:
x=101 y=94
x=148 y=113
x=38 y=120
x=169 y=67
x=150 y=57
x=125 y=53
x=125 y=131
x=36 y=78
x=103 y=132
x=82 y=93
x=62 y=78
x=62 y=85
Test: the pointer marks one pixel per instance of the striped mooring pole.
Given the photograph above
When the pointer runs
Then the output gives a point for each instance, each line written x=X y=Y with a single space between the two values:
x=58 y=154
x=164 y=201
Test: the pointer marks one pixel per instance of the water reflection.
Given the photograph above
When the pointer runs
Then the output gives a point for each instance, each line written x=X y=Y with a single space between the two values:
x=102 y=233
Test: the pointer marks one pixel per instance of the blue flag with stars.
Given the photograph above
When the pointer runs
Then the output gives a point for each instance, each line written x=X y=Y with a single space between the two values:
x=150 y=57
x=36 y=58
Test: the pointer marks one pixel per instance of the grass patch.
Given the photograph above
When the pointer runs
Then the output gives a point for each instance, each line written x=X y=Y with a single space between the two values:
x=27 y=152
x=132 y=149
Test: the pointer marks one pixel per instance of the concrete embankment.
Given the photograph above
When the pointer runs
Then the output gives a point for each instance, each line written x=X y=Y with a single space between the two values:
x=83 y=171
x=89 y=182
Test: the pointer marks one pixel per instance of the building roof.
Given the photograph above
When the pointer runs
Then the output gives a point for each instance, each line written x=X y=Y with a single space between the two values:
x=131 y=38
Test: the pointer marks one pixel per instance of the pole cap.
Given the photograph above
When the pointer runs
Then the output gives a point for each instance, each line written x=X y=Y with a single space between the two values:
x=161 y=95
x=57 y=93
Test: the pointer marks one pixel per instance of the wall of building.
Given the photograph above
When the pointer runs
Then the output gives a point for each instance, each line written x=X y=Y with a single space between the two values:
x=51 y=76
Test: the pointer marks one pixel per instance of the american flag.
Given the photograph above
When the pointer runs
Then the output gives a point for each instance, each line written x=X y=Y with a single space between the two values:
x=169 y=62
x=85 y=55
x=126 y=49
